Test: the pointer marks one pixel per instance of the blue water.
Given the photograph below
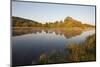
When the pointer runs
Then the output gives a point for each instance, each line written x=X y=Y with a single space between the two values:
x=27 y=48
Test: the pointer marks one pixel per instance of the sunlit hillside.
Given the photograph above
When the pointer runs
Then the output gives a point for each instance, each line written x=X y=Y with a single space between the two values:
x=68 y=22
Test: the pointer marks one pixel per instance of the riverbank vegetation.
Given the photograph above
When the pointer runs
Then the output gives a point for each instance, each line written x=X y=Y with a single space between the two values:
x=85 y=51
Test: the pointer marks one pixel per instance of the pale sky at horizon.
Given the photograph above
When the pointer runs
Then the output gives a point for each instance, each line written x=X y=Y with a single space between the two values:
x=43 y=12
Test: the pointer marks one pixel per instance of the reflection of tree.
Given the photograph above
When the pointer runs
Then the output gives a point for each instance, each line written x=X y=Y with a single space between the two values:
x=46 y=31
x=68 y=33
x=71 y=34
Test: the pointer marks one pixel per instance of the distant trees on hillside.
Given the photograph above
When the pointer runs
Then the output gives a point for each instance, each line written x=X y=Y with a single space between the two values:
x=68 y=23
x=21 y=22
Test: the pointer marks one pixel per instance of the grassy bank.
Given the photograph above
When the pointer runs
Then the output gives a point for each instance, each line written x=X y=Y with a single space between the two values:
x=85 y=51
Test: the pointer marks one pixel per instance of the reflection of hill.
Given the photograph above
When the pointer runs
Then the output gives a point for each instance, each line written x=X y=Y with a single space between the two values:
x=22 y=31
x=72 y=33
x=68 y=33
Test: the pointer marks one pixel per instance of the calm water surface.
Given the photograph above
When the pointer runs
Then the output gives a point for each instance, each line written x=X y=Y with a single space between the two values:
x=27 y=48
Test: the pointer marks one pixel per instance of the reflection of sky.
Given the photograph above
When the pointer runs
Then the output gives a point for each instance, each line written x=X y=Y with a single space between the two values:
x=52 y=12
x=82 y=37
x=30 y=46
x=52 y=37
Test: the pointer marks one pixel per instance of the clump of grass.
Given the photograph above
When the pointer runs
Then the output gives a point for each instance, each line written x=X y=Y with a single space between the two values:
x=43 y=59
x=73 y=52
x=82 y=52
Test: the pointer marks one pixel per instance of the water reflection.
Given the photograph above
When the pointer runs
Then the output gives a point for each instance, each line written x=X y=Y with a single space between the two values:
x=67 y=34
x=29 y=44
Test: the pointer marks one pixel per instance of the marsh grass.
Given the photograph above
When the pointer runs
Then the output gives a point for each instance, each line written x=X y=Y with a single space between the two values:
x=85 y=51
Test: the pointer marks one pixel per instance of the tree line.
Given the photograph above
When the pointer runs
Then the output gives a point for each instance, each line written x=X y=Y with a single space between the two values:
x=67 y=22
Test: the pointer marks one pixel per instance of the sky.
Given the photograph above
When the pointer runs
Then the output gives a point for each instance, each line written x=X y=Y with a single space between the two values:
x=43 y=12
